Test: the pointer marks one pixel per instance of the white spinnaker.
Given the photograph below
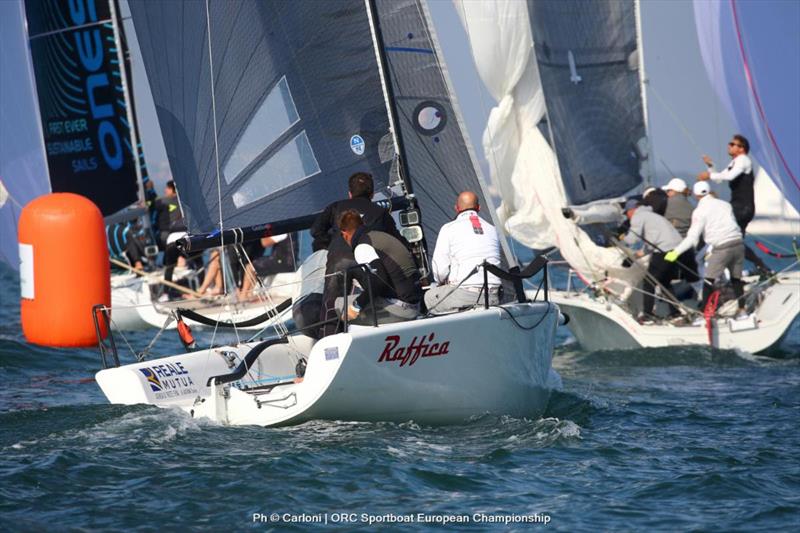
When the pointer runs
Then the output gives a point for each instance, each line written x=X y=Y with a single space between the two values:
x=523 y=166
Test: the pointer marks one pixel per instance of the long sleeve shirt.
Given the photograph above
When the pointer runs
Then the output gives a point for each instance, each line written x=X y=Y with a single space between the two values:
x=326 y=226
x=713 y=220
x=739 y=165
x=463 y=244
x=740 y=178
x=653 y=229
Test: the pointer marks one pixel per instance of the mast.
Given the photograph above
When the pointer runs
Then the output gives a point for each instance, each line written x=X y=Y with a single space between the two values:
x=419 y=248
x=637 y=7
x=388 y=94
x=116 y=20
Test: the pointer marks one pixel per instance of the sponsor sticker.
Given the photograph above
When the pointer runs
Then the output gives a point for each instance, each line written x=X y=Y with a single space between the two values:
x=357 y=144
x=331 y=353
x=168 y=380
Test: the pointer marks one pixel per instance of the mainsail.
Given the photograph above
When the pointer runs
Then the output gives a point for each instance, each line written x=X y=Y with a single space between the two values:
x=83 y=110
x=268 y=107
x=586 y=64
x=743 y=45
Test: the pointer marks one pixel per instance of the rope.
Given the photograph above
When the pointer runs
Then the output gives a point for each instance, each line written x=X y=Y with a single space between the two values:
x=216 y=146
x=162 y=281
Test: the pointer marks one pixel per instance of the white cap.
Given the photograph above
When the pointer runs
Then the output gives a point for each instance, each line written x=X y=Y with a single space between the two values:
x=675 y=184
x=701 y=188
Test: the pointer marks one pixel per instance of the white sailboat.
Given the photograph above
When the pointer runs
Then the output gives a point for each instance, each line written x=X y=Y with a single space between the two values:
x=349 y=86
x=774 y=214
x=570 y=130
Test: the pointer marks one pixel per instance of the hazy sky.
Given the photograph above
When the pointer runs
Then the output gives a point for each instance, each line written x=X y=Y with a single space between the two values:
x=673 y=65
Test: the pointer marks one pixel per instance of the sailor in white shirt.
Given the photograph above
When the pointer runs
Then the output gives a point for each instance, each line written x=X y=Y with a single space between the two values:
x=740 y=177
x=713 y=220
x=462 y=245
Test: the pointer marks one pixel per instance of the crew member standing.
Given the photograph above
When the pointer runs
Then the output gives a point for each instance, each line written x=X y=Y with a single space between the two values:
x=739 y=175
x=169 y=217
x=713 y=220
x=462 y=245
x=679 y=213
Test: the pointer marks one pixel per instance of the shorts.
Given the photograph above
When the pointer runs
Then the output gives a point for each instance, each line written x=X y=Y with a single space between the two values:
x=728 y=255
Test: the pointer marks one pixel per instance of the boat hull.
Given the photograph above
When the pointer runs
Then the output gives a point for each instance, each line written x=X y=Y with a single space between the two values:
x=598 y=324
x=440 y=370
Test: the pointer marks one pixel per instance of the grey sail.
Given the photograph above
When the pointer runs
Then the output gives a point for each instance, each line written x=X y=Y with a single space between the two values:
x=587 y=56
x=437 y=155
x=295 y=105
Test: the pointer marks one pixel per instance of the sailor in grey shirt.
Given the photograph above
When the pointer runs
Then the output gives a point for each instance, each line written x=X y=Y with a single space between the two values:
x=679 y=208
x=658 y=236
x=650 y=228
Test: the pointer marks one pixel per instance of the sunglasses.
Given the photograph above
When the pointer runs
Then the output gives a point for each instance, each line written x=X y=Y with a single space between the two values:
x=735 y=144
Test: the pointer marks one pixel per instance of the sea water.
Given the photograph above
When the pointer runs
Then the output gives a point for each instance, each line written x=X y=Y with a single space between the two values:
x=666 y=439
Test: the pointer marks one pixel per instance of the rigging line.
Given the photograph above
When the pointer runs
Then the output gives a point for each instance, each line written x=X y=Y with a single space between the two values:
x=677 y=119
x=775 y=244
x=673 y=300
x=216 y=148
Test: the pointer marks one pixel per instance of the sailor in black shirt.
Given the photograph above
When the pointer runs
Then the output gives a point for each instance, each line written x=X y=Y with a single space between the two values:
x=393 y=274
x=326 y=235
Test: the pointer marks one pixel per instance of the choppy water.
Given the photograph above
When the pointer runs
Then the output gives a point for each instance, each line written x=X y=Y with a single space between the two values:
x=669 y=439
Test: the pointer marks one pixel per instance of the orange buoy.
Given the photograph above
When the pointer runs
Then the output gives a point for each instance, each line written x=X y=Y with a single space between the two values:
x=64 y=269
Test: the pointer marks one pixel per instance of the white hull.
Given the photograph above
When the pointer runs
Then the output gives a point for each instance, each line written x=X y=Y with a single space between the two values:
x=485 y=364
x=603 y=325
x=774 y=226
x=128 y=293
x=133 y=309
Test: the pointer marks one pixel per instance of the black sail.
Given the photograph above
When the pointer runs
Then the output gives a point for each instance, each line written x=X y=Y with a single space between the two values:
x=81 y=101
x=294 y=108
x=438 y=159
x=587 y=56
